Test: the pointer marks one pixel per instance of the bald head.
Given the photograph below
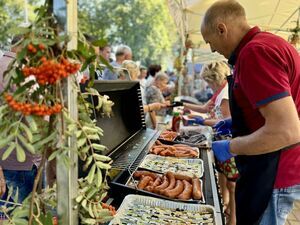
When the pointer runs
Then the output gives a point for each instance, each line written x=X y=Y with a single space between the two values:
x=226 y=11
x=224 y=25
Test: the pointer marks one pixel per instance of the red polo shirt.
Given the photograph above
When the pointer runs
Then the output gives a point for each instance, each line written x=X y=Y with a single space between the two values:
x=267 y=69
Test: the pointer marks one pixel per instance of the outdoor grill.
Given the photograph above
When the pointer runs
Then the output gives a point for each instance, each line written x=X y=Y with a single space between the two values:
x=128 y=141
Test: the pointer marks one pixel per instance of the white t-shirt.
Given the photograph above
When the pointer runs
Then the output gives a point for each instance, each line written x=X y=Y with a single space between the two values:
x=222 y=95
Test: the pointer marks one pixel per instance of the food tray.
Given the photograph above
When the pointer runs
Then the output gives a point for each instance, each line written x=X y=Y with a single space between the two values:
x=132 y=183
x=161 y=164
x=137 y=209
x=173 y=143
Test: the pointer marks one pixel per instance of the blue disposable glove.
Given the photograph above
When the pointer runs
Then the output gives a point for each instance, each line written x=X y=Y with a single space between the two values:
x=221 y=150
x=199 y=120
x=223 y=127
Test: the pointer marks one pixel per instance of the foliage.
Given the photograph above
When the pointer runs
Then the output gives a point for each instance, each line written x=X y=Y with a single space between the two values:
x=143 y=25
x=33 y=118
x=12 y=15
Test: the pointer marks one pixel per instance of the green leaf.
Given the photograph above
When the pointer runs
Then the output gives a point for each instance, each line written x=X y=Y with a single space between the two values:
x=81 y=142
x=99 y=178
x=18 y=30
x=8 y=151
x=89 y=221
x=5 y=141
x=93 y=137
x=78 y=133
x=83 y=203
x=85 y=149
x=27 y=145
x=99 y=147
x=21 y=157
x=91 y=174
x=27 y=131
x=91 y=210
x=92 y=192
x=88 y=61
x=24 y=87
x=67 y=117
x=102 y=165
x=30 y=120
x=89 y=129
x=21 y=55
x=20 y=212
x=88 y=161
x=101 y=157
x=42 y=142
x=20 y=221
x=53 y=155
x=79 y=198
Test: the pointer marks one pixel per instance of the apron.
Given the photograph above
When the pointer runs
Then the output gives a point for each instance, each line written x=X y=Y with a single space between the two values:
x=257 y=173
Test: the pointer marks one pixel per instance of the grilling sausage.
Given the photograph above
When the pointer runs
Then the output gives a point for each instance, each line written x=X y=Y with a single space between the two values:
x=197 y=193
x=172 y=181
x=163 y=185
x=139 y=174
x=179 y=176
x=144 y=182
x=187 y=191
x=172 y=193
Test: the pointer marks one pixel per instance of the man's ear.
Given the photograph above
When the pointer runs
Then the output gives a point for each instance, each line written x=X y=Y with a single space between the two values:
x=221 y=29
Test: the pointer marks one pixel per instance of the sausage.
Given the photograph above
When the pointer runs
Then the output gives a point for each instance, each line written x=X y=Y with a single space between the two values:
x=139 y=174
x=149 y=188
x=156 y=182
x=187 y=191
x=197 y=193
x=158 y=150
x=163 y=185
x=180 y=154
x=179 y=176
x=172 y=181
x=144 y=182
x=175 y=191
x=166 y=152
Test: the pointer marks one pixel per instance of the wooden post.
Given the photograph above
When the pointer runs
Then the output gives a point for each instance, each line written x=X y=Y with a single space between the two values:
x=67 y=176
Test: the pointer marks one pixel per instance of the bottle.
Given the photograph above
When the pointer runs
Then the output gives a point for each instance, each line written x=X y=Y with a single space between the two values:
x=176 y=121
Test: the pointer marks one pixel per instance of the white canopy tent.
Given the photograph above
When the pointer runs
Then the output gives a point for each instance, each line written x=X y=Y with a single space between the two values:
x=276 y=16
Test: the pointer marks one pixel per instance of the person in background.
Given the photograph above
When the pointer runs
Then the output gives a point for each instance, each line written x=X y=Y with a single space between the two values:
x=105 y=52
x=134 y=73
x=215 y=75
x=14 y=174
x=142 y=76
x=265 y=107
x=153 y=69
x=153 y=94
x=123 y=53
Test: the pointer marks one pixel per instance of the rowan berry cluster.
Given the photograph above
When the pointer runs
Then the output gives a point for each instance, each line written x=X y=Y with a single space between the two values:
x=32 y=109
x=49 y=71
x=33 y=49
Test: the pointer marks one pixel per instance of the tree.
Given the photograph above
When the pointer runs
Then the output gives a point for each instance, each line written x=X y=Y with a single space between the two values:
x=12 y=15
x=145 y=26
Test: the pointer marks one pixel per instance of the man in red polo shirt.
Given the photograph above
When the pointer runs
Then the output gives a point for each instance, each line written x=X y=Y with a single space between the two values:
x=265 y=109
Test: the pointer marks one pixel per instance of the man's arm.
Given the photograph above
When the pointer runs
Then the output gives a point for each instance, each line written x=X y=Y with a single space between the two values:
x=281 y=129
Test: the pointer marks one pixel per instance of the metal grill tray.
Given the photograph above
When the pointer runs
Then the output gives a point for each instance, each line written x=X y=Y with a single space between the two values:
x=162 y=212
x=173 y=143
x=132 y=184
x=161 y=164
